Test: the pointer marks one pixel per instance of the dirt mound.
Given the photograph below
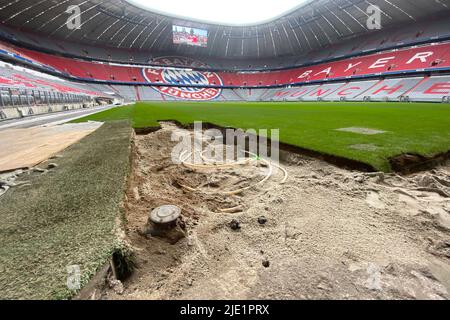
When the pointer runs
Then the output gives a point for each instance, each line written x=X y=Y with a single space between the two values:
x=326 y=232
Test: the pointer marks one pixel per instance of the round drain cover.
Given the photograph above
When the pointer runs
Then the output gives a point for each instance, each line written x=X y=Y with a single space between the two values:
x=165 y=214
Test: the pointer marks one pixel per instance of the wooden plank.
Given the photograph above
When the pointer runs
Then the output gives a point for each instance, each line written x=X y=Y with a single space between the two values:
x=26 y=148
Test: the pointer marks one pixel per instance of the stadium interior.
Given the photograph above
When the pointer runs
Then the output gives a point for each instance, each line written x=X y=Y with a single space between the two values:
x=121 y=57
x=309 y=60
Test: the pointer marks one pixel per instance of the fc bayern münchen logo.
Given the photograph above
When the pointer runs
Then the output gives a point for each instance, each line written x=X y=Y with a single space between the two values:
x=179 y=77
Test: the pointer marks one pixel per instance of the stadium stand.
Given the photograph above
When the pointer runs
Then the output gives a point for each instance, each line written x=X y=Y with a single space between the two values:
x=25 y=92
x=435 y=88
x=231 y=95
x=431 y=57
x=350 y=91
x=322 y=91
x=391 y=89
x=423 y=32
x=129 y=93
x=25 y=87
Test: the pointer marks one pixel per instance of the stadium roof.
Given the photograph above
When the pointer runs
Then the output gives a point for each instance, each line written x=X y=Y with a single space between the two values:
x=118 y=23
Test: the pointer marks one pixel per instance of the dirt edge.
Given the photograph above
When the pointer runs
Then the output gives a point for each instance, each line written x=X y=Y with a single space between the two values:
x=409 y=163
x=99 y=281
x=404 y=164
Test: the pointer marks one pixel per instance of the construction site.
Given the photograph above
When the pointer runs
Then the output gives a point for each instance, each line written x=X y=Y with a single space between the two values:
x=261 y=152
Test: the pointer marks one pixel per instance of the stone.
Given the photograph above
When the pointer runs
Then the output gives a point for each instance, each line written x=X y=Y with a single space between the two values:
x=117 y=286
x=52 y=166
x=3 y=190
x=235 y=225
x=262 y=220
x=324 y=287
x=359 y=179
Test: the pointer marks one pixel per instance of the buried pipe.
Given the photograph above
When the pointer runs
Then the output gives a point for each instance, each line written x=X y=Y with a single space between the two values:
x=235 y=164
x=210 y=166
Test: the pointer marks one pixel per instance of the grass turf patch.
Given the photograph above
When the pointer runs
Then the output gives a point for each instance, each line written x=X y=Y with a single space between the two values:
x=417 y=128
x=66 y=217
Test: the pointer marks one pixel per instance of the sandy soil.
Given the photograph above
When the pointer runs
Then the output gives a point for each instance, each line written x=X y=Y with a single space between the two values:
x=330 y=233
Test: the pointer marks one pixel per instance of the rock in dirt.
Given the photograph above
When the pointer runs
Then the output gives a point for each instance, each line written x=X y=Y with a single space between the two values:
x=443 y=182
x=266 y=263
x=136 y=194
x=324 y=287
x=233 y=210
x=374 y=201
x=3 y=190
x=425 y=181
x=379 y=176
x=262 y=220
x=278 y=201
x=235 y=225
x=359 y=179
x=117 y=286
x=52 y=166
x=440 y=248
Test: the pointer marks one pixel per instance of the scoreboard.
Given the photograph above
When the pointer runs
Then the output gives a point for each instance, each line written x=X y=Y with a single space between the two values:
x=190 y=36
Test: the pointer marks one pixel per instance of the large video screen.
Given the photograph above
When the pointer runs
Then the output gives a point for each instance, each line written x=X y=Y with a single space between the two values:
x=190 y=36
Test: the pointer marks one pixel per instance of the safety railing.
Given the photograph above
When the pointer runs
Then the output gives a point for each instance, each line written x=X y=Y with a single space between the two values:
x=10 y=97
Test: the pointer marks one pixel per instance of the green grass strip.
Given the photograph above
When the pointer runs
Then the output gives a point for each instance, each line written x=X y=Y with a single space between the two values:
x=67 y=217
x=419 y=128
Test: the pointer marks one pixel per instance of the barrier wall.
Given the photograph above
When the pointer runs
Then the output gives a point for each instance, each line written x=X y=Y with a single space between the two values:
x=29 y=111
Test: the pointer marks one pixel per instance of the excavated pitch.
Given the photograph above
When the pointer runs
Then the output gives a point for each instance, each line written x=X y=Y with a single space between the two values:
x=330 y=233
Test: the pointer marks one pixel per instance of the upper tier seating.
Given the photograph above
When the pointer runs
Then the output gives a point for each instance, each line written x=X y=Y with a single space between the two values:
x=419 y=32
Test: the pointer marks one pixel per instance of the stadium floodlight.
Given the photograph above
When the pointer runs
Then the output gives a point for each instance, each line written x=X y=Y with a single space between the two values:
x=230 y=12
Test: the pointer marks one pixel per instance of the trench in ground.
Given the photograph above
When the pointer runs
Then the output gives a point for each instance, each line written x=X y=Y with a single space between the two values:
x=324 y=230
